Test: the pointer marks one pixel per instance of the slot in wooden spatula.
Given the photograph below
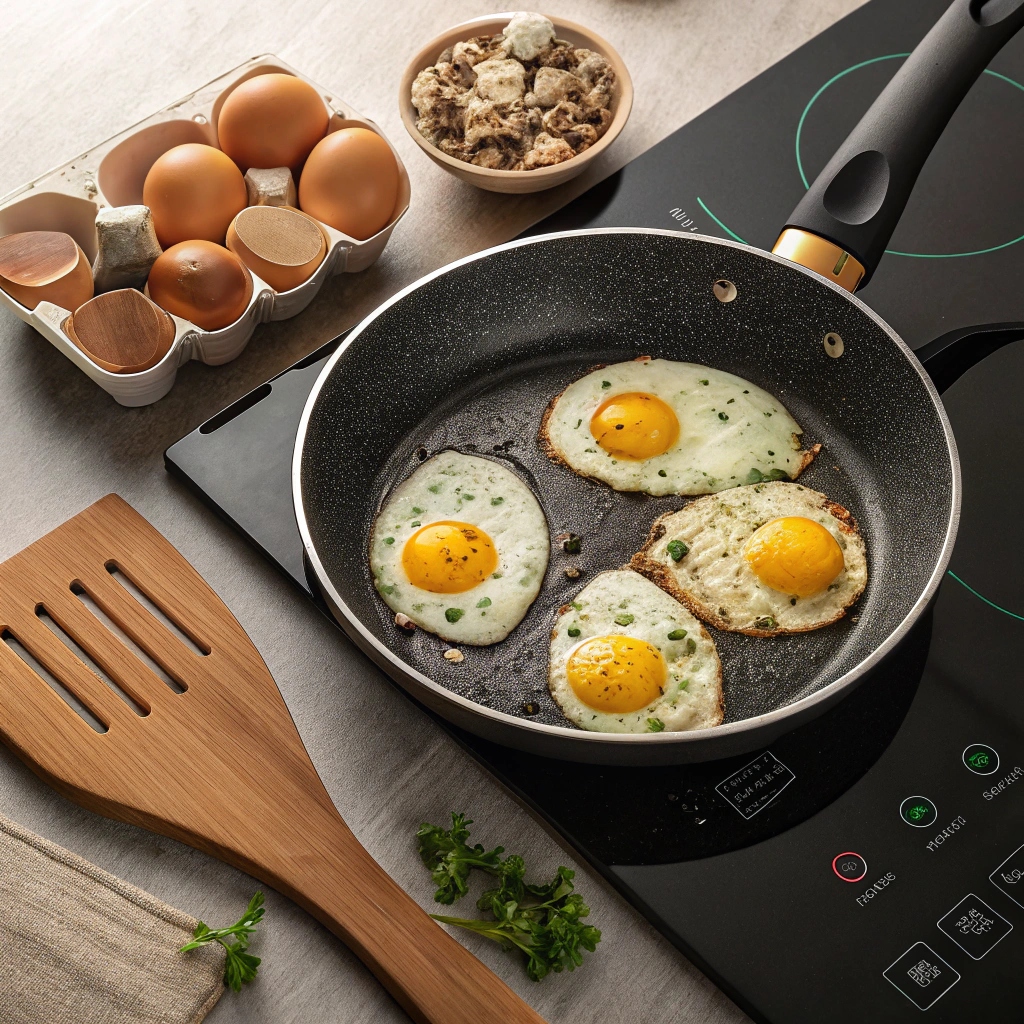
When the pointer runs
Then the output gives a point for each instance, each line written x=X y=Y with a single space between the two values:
x=220 y=765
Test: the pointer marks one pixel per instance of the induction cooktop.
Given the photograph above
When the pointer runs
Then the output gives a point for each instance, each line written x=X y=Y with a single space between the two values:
x=869 y=865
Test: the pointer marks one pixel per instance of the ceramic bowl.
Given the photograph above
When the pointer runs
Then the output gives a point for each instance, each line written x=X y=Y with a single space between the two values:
x=517 y=181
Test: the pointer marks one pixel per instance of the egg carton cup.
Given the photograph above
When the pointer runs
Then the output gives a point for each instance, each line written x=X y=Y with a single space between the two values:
x=112 y=174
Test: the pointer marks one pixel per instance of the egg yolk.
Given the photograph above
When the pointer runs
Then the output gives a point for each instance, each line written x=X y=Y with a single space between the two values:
x=634 y=425
x=616 y=674
x=794 y=555
x=448 y=557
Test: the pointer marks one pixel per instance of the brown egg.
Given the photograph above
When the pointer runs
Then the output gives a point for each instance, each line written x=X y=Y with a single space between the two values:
x=271 y=121
x=350 y=181
x=37 y=266
x=194 y=191
x=201 y=282
x=279 y=244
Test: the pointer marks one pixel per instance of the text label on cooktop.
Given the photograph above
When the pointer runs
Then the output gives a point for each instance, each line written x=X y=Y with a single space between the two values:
x=755 y=785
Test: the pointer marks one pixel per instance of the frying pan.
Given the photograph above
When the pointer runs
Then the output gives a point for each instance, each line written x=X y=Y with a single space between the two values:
x=469 y=357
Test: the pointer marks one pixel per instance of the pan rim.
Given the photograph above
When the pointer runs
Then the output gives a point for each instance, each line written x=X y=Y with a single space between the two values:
x=798 y=710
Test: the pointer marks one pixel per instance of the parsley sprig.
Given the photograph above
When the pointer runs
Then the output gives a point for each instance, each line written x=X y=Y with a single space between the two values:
x=450 y=858
x=239 y=966
x=544 y=922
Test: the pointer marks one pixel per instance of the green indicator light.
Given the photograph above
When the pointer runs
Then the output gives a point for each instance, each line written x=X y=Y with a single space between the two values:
x=918 y=811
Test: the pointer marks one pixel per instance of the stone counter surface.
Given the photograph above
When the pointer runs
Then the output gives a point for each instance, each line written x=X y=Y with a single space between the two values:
x=70 y=76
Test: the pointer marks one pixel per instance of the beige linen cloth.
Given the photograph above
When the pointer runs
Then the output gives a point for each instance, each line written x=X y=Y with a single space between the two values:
x=79 y=946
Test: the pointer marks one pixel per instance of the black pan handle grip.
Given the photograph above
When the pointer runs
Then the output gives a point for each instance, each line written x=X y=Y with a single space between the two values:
x=951 y=355
x=858 y=198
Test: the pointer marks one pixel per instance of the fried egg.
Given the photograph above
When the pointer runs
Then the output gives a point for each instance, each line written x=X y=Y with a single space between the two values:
x=762 y=559
x=461 y=548
x=626 y=657
x=664 y=427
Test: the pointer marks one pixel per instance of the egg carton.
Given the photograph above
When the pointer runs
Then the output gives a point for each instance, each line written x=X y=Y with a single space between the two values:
x=112 y=174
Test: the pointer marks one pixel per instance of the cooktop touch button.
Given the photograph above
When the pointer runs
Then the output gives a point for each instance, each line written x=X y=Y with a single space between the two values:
x=981 y=759
x=974 y=926
x=918 y=811
x=921 y=975
x=850 y=867
x=1009 y=876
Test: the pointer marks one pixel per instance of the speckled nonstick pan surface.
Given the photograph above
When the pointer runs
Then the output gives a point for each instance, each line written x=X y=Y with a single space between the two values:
x=470 y=357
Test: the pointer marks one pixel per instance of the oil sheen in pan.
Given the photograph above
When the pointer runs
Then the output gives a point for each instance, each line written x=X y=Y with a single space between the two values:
x=499 y=419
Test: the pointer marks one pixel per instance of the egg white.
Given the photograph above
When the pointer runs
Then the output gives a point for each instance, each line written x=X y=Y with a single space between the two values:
x=731 y=432
x=484 y=494
x=714 y=578
x=692 y=698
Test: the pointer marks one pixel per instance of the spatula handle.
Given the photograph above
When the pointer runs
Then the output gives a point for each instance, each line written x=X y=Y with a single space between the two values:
x=434 y=978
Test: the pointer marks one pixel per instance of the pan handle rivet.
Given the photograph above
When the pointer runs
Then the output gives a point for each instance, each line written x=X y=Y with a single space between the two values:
x=725 y=291
x=833 y=345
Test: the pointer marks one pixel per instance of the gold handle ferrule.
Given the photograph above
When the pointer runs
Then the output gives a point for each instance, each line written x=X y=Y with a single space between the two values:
x=821 y=256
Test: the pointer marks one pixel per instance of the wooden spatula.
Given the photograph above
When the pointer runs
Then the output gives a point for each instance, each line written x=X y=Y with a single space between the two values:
x=213 y=760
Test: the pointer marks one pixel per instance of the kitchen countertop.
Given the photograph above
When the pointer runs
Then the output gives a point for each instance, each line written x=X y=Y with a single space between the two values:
x=72 y=75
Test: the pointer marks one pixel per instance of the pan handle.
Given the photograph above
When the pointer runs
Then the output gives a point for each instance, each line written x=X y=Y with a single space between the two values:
x=842 y=225
x=951 y=355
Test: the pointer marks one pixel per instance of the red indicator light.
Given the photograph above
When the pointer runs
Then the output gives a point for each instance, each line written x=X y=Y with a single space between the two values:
x=850 y=866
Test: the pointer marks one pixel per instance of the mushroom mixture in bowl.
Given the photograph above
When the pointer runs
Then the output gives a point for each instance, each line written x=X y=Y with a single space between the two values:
x=516 y=100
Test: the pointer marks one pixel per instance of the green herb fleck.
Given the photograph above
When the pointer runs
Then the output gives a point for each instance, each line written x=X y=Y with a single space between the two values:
x=453 y=614
x=691 y=646
x=722 y=416
x=770 y=452
x=389 y=540
x=755 y=476
x=624 y=619
x=704 y=382
x=731 y=400
x=496 y=575
x=239 y=966
x=415 y=522
x=662 y=472
x=434 y=488
x=746 y=392
x=606 y=383
x=577 y=606
x=470 y=497
x=655 y=725
x=389 y=589
x=683 y=685
x=677 y=634
x=544 y=922
x=578 y=422
x=572 y=543
x=573 y=631
x=497 y=501
x=677 y=549
x=484 y=602
x=416 y=510
x=765 y=622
